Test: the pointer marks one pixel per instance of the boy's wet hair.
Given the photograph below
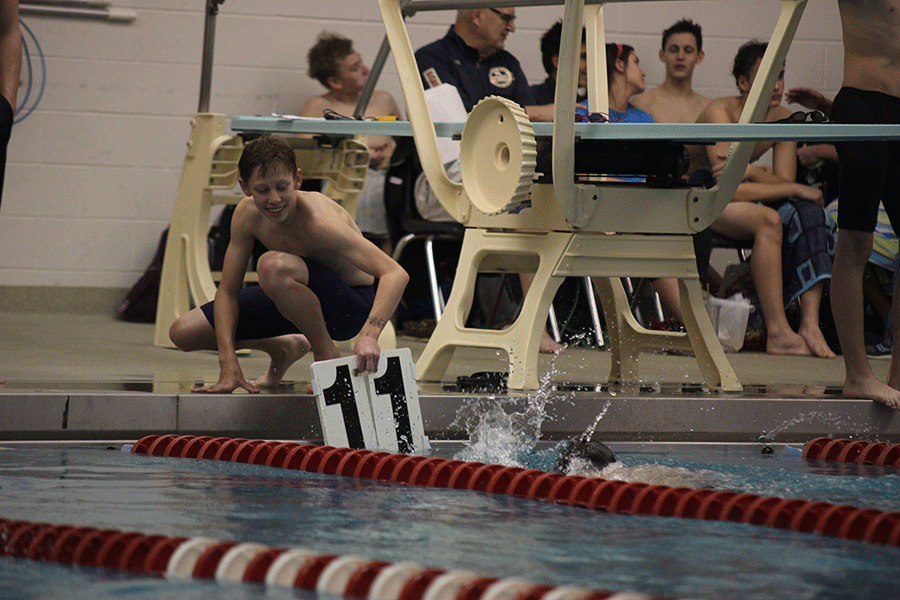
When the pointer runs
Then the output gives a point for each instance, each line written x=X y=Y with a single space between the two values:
x=325 y=56
x=265 y=152
x=684 y=26
x=747 y=56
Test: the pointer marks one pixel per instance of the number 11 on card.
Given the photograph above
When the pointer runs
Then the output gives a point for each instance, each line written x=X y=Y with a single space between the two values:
x=378 y=411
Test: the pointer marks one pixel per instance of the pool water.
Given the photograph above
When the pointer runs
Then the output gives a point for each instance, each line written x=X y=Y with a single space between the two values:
x=492 y=535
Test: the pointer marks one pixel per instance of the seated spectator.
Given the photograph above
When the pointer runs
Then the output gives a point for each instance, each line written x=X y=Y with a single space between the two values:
x=545 y=93
x=473 y=58
x=676 y=101
x=336 y=65
x=625 y=78
x=793 y=239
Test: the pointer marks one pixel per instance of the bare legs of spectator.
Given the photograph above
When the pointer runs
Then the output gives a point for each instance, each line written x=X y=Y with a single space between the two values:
x=548 y=344
x=853 y=251
x=749 y=220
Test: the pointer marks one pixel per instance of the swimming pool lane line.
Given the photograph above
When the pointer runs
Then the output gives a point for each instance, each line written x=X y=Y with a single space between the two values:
x=880 y=454
x=204 y=558
x=824 y=518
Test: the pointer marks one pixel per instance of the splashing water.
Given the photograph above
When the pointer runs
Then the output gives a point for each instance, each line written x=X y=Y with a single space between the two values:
x=589 y=432
x=501 y=431
x=506 y=431
x=828 y=419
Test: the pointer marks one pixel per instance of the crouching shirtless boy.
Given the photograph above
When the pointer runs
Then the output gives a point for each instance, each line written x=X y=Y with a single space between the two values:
x=316 y=281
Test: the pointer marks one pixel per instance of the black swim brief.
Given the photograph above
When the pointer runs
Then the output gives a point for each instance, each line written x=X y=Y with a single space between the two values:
x=344 y=307
x=870 y=169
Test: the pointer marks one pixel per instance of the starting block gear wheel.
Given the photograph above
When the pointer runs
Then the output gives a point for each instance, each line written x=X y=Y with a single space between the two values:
x=497 y=155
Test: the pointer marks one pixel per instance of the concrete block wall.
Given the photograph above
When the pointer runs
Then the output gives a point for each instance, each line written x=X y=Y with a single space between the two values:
x=93 y=172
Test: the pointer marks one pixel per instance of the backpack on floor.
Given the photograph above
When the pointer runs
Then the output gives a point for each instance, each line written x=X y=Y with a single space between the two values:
x=139 y=305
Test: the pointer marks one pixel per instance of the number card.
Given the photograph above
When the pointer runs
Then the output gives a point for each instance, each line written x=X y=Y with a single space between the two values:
x=371 y=410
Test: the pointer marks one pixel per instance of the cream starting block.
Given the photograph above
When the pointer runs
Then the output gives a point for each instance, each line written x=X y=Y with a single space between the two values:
x=603 y=230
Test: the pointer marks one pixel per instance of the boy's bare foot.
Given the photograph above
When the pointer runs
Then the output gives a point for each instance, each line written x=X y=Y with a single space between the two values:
x=816 y=342
x=787 y=344
x=291 y=348
x=549 y=345
x=872 y=389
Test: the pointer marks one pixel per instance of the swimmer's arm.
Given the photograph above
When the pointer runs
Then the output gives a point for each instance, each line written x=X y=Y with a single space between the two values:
x=391 y=108
x=811 y=154
x=225 y=309
x=541 y=113
x=313 y=107
x=778 y=184
x=751 y=191
x=392 y=280
x=784 y=161
x=763 y=185
x=716 y=153
x=809 y=98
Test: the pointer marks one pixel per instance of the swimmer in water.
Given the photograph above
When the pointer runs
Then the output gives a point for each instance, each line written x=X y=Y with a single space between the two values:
x=589 y=458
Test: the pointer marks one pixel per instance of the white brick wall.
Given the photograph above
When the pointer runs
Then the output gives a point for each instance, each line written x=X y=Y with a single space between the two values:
x=92 y=173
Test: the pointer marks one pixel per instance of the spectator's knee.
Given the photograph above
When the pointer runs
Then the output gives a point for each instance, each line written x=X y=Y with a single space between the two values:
x=772 y=225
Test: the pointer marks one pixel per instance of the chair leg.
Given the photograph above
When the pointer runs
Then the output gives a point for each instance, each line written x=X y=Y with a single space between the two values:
x=401 y=246
x=595 y=315
x=554 y=325
x=437 y=298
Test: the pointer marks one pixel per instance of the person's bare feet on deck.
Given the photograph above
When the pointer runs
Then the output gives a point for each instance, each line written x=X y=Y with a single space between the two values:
x=872 y=389
x=292 y=348
x=549 y=345
x=816 y=342
x=789 y=343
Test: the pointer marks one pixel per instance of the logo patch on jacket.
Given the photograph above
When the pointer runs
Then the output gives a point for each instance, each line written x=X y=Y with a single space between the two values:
x=431 y=77
x=501 y=77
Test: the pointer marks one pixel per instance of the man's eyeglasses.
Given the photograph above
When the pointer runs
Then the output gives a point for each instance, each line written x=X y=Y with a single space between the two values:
x=508 y=19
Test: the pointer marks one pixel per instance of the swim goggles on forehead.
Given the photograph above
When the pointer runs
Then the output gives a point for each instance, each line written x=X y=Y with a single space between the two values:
x=813 y=116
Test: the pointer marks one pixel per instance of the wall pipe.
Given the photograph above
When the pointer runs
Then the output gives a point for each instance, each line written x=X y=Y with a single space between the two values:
x=209 y=42
x=90 y=10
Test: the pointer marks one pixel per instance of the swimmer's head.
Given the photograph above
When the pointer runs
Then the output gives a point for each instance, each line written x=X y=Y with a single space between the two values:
x=596 y=453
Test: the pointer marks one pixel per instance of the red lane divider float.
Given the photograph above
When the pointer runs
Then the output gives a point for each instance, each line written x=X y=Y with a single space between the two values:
x=849 y=451
x=204 y=558
x=842 y=521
